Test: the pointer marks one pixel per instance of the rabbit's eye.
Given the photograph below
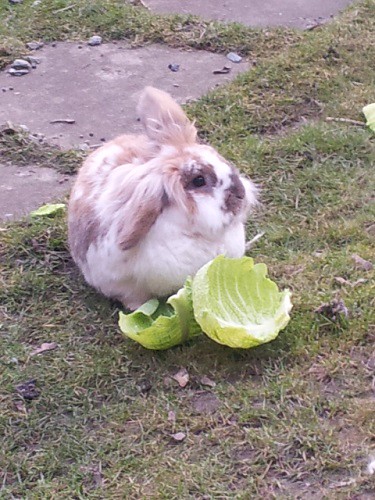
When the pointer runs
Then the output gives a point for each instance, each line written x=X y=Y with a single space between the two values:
x=199 y=181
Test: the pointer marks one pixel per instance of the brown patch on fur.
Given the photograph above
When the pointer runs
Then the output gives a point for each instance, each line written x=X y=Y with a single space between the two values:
x=132 y=232
x=235 y=194
x=84 y=229
x=196 y=169
x=174 y=184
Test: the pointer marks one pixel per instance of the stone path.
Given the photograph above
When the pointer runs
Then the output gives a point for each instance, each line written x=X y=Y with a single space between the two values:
x=23 y=189
x=290 y=13
x=97 y=87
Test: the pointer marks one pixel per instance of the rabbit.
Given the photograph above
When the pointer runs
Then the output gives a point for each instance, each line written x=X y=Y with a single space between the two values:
x=147 y=211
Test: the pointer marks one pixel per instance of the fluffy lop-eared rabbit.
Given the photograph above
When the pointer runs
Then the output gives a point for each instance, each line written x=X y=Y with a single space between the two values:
x=147 y=211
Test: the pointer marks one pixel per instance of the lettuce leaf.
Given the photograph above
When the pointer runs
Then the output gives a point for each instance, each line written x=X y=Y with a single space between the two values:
x=160 y=325
x=49 y=210
x=230 y=300
x=369 y=112
x=237 y=305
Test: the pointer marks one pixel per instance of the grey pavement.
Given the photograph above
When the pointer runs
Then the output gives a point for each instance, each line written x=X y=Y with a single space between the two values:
x=289 y=13
x=98 y=87
x=23 y=189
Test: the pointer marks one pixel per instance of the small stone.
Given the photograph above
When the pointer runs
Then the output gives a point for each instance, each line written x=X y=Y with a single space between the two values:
x=53 y=44
x=20 y=64
x=18 y=72
x=95 y=40
x=174 y=67
x=33 y=61
x=3 y=89
x=232 y=56
x=15 y=1
x=178 y=437
x=8 y=128
x=34 y=45
x=224 y=71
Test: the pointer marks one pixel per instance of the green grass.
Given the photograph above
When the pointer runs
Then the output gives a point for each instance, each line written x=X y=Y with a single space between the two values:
x=291 y=419
x=117 y=19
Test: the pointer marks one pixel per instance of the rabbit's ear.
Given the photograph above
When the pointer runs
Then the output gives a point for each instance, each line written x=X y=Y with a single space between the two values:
x=142 y=201
x=164 y=120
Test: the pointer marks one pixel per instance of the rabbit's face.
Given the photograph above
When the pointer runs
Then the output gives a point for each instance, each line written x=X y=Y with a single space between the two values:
x=212 y=190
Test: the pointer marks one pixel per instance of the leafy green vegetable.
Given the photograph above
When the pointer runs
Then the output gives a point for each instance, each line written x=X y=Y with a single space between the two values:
x=49 y=210
x=237 y=305
x=369 y=112
x=160 y=325
x=232 y=301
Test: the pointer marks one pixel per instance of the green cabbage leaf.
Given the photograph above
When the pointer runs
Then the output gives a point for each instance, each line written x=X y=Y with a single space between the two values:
x=231 y=300
x=160 y=325
x=49 y=210
x=237 y=305
x=369 y=112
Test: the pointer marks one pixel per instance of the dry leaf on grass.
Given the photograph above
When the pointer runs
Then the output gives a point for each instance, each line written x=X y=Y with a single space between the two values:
x=366 y=265
x=182 y=377
x=208 y=382
x=343 y=281
x=46 y=346
x=20 y=406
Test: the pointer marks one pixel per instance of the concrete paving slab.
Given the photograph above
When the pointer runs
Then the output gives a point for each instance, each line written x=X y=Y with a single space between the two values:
x=23 y=189
x=289 y=13
x=98 y=87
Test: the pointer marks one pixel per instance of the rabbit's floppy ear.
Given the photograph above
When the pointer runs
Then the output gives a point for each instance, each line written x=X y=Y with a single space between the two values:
x=142 y=200
x=164 y=120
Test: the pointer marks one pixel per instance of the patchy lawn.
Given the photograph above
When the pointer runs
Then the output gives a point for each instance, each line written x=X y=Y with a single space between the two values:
x=94 y=417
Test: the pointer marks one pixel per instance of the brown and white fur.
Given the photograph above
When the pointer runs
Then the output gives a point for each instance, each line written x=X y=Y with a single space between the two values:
x=147 y=211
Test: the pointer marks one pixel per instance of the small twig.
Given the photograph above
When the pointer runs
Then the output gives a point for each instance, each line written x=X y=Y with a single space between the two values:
x=224 y=71
x=65 y=8
x=296 y=203
x=252 y=242
x=345 y=120
x=144 y=5
x=63 y=120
